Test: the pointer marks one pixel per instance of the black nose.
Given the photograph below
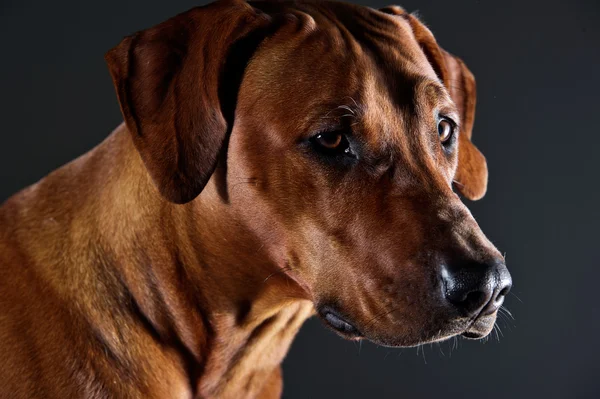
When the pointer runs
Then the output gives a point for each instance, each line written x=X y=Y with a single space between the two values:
x=475 y=287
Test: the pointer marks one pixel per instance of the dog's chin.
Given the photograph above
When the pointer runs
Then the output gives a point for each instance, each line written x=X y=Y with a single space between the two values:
x=476 y=330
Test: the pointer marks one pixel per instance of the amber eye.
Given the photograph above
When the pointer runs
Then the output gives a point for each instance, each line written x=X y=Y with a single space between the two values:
x=445 y=130
x=333 y=146
x=330 y=141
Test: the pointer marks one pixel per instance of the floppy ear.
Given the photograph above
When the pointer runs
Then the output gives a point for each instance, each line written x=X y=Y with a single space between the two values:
x=172 y=83
x=472 y=174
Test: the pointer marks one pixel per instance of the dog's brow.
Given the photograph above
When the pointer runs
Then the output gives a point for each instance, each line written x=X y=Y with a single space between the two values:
x=437 y=96
x=434 y=91
x=345 y=110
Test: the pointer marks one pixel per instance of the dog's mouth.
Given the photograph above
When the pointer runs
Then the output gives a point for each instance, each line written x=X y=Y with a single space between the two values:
x=339 y=323
x=479 y=328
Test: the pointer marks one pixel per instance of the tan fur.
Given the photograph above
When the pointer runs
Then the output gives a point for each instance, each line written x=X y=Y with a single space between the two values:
x=117 y=279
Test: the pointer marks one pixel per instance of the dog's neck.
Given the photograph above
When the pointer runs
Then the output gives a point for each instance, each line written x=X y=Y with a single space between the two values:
x=196 y=280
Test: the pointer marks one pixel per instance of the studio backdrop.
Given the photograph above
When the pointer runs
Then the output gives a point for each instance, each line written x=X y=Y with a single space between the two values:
x=537 y=67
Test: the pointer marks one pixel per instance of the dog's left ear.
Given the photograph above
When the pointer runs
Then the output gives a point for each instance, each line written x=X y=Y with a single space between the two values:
x=177 y=83
x=472 y=174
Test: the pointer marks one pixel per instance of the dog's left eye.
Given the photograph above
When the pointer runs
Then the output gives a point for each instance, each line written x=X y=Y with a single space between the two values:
x=332 y=143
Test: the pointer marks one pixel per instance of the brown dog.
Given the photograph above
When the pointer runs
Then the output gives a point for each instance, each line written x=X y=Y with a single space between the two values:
x=276 y=158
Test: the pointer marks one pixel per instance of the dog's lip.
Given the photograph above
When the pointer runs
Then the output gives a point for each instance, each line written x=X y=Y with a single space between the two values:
x=339 y=323
x=480 y=327
x=473 y=334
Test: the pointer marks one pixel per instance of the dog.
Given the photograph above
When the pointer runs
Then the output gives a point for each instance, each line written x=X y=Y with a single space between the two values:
x=277 y=160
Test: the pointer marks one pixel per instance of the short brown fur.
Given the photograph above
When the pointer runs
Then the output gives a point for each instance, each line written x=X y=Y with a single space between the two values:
x=180 y=256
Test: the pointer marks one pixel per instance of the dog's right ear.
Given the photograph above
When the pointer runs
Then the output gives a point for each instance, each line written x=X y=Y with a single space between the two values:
x=171 y=82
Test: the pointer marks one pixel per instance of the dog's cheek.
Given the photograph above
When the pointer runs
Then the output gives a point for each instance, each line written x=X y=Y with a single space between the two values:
x=265 y=178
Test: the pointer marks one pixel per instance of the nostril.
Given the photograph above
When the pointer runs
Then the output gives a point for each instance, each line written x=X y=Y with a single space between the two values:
x=474 y=299
x=504 y=282
x=502 y=294
x=469 y=302
x=469 y=286
x=499 y=299
x=504 y=291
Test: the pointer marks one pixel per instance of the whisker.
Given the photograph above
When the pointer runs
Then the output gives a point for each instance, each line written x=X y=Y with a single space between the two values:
x=440 y=348
x=354 y=101
x=515 y=295
x=280 y=271
x=500 y=331
x=347 y=108
x=505 y=311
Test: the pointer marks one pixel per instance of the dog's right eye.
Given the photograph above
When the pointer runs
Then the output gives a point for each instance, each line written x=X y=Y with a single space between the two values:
x=332 y=143
x=329 y=140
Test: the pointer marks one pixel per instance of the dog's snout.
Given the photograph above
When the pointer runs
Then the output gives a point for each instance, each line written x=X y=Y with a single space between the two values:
x=476 y=287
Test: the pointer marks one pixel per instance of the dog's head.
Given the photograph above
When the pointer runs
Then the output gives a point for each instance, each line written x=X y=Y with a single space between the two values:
x=346 y=131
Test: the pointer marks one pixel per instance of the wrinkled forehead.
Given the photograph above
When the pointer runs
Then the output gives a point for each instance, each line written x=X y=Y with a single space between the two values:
x=348 y=59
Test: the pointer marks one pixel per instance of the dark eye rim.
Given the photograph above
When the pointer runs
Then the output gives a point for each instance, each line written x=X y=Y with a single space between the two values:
x=449 y=144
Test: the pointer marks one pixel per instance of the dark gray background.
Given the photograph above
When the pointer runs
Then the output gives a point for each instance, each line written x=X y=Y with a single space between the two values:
x=537 y=67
